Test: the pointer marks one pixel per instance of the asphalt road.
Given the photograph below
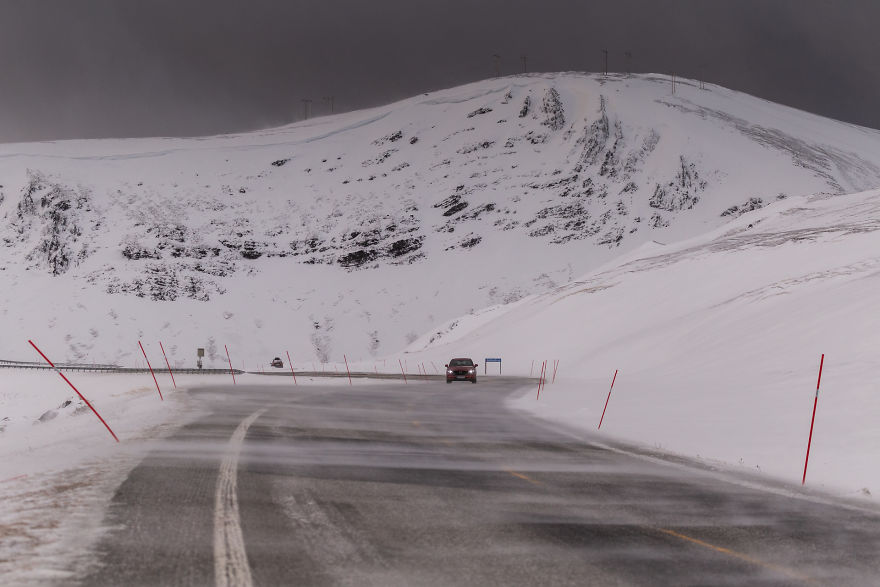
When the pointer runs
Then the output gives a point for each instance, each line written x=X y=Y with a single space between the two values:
x=435 y=484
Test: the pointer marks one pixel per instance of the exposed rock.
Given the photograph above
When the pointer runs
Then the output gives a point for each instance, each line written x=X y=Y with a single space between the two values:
x=554 y=113
x=737 y=211
x=479 y=111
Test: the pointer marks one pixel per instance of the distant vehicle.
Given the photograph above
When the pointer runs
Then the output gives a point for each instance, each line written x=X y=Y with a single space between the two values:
x=461 y=370
x=277 y=362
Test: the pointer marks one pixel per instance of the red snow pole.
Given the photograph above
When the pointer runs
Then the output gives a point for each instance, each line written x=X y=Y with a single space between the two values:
x=231 y=370
x=541 y=379
x=151 y=371
x=606 y=399
x=813 y=420
x=289 y=362
x=402 y=371
x=436 y=370
x=555 y=367
x=170 y=372
x=346 y=369
x=76 y=390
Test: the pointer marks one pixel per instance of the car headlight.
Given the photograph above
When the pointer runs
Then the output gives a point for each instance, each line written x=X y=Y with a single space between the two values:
x=449 y=371
x=470 y=370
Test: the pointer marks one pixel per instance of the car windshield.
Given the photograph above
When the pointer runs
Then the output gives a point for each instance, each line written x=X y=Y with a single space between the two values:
x=461 y=363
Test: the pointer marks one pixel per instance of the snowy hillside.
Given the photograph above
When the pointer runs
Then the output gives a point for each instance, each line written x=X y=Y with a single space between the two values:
x=718 y=341
x=357 y=233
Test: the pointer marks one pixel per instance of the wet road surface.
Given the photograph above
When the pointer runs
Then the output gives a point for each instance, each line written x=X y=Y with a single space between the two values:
x=435 y=484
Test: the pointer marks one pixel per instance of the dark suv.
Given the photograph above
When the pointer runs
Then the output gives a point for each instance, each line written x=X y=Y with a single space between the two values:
x=461 y=370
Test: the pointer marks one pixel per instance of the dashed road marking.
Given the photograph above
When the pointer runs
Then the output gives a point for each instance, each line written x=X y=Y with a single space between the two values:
x=523 y=477
x=230 y=558
x=738 y=555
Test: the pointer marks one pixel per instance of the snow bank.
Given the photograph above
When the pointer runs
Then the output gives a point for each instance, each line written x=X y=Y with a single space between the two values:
x=718 y=341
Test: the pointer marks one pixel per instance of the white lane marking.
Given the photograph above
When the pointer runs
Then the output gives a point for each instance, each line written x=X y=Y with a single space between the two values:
x=231 y=567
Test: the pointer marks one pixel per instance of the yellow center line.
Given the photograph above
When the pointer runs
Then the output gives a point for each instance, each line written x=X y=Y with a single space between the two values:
x=739 y=555
x=523 y=477
x=416 y=423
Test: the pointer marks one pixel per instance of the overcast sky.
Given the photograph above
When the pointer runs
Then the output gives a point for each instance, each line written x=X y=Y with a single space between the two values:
x=98 y=68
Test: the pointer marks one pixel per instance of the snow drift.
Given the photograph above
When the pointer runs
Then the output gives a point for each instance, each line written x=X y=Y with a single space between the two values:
x=718 y=341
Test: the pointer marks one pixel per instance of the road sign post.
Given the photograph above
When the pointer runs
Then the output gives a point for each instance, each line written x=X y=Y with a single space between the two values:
x=486 y=365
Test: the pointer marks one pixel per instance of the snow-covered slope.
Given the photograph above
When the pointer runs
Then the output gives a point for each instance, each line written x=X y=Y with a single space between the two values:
x=718 y=341
x=358 y=232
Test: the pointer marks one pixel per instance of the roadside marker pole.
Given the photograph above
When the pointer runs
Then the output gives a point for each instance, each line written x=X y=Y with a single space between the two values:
x=169 y=365
x=151 y=371
x=813 y=420
x=541 y=379
x=289 y=362
x=402 y=371
x=555 y=366
x=607 y=398
x=76 y=390
x=532 y=370
x=346 y=369
x=231 y=370
x=436 y=370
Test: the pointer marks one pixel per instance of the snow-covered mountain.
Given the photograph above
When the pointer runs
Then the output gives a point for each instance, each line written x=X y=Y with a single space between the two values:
x=718 y=341
x=358 y=232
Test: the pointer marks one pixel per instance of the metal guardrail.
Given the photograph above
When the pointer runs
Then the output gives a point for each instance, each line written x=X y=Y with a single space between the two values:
x=97 y=368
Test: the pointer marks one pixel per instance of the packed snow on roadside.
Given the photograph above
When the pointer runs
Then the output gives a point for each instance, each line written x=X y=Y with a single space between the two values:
x=717 y=341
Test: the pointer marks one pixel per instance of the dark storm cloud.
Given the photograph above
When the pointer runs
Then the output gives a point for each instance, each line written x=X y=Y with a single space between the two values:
x=154 y=67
